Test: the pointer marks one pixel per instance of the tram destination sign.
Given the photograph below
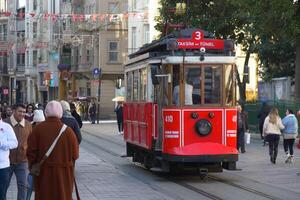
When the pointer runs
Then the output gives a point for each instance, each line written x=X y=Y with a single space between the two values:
x=197 y=41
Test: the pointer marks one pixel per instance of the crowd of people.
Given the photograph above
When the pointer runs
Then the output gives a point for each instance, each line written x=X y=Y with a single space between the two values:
x=26 y=134
x=271 y=127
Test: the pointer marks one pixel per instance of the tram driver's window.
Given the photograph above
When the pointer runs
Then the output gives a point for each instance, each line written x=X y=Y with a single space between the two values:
x=212 y=85
x=193 y=78
x=229 y=85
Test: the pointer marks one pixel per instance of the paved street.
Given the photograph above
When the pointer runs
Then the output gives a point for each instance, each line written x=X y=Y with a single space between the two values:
x=102 y=174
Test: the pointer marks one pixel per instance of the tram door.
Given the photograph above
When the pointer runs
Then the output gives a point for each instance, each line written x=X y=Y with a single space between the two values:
x=163 y=95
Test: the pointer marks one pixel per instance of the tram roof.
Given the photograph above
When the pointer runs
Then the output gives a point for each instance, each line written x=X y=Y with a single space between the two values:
x=160 y=47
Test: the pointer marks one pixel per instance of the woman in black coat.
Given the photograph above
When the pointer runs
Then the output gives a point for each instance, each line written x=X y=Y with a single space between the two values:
x=119 y=113
x=263 y=113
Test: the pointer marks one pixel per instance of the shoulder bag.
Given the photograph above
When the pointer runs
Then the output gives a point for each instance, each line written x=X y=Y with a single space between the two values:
x=36 y=168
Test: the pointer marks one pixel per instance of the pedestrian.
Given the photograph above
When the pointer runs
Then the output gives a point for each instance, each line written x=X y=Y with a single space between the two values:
x=38 y=117
x=290 y=133
x=18 y=159
x=57 y=176
x=29 y=112
x=263 y=113
x=75 y=114
x=271 y=132
x=92 y=111
x=242 y=127
x=119 y=113
x=7 y=112
x=8 y=141
x=69 y=120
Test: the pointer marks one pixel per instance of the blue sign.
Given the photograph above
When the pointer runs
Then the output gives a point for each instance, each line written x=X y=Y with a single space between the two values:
x=96 y=71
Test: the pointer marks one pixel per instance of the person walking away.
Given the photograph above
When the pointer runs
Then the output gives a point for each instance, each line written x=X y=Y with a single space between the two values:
x=69 y=120
x=242 y=127
x=92 y=111
x=38 y=117
x=271 y=132
x=290 y=133
x=57 y=176
x=75 y=114
x=263 y=113
x=29 y=113
x=119 y=113
x=8 y=141
x=18 y=159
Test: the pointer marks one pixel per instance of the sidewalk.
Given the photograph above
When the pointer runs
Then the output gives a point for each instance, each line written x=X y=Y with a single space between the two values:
x=98 y=179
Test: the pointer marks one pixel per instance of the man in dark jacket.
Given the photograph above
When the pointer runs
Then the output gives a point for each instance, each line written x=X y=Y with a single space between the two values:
x=242 y=127
x=263 y=113
x=75 y=114
x=69 y=120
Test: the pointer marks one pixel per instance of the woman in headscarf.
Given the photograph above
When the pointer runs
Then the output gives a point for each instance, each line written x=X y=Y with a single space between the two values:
x=56 y=177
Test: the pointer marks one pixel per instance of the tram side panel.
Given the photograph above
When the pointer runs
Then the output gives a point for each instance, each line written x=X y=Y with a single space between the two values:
x=138 y=124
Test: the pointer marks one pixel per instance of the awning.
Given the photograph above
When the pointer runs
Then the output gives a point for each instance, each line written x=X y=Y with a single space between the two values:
x=64 y=66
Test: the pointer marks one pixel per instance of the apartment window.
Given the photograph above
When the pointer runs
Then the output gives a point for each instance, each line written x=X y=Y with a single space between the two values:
x=21 y=59
x=34 y=29
x=113 y=8
x=3 y=32
x=88 y=56
x=146 y=33
x=146 y=6
x=113 y=51
x=134 y=5
x=34 y=4
x=133 y=39
x=34 y=58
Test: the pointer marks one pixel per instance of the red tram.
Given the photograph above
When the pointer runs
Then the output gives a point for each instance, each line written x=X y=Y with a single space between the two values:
x=180 y=103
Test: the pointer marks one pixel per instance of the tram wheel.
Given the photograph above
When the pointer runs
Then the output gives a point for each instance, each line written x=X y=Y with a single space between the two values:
x=203 y=172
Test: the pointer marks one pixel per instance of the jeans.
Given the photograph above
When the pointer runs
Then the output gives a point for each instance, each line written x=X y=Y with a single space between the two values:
x=21 y=172
x=4 y=182
x=273 y=140
x=120 y=125
x=30 y=180
x=288 y=145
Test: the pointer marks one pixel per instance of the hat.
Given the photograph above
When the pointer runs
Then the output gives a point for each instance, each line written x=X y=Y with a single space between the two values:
x=53 y=109
x=65 y=105
x=38 y=116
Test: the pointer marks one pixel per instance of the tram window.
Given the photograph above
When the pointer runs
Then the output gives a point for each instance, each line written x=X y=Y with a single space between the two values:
x=143 y=84
x=175 y=83
x=193 y=78
x=129 y=86
x=212 y=85
x=229 y=85
x=135 y=85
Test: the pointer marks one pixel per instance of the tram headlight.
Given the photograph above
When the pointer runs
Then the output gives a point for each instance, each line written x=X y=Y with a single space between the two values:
x=203 y=127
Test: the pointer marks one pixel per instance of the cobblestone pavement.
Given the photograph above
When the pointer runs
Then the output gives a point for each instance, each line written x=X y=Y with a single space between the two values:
x=99 y=179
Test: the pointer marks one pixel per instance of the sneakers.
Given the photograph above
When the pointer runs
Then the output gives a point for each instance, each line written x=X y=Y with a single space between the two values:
x=287 y=158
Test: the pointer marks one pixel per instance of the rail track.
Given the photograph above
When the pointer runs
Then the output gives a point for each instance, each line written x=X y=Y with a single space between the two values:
x=188 y=186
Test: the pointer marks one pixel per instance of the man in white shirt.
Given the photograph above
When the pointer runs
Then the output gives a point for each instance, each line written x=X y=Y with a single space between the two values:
x=188 y=100
x=8 y=141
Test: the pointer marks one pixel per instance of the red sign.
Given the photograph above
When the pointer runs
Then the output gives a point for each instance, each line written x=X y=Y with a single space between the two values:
x=5 y=91
x=172 y=129
x=197 y=41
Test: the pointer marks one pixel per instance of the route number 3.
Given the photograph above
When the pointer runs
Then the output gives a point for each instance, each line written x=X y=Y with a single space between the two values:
x=169 y=118
x=198 y=35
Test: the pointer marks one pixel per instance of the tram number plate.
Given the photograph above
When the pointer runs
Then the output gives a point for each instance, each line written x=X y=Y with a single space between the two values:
x=169 y=118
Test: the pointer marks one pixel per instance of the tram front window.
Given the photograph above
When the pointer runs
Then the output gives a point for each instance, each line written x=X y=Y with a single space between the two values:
x=212 y=85
x=193 y=85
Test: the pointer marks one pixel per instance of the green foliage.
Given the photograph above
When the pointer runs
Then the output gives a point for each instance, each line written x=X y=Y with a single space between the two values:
x=266 y=27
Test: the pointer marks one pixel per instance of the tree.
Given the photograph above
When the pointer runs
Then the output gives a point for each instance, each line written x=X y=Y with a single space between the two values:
x=268 y=27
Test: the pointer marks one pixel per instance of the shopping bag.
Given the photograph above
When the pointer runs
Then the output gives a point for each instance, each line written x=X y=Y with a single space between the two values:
x=247 y=137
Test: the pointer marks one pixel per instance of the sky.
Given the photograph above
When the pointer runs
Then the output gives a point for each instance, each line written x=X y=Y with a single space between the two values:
x=21 y=3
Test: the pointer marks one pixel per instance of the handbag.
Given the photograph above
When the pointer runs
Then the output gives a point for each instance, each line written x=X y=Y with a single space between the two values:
x=247 y=137
x=36 y=167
